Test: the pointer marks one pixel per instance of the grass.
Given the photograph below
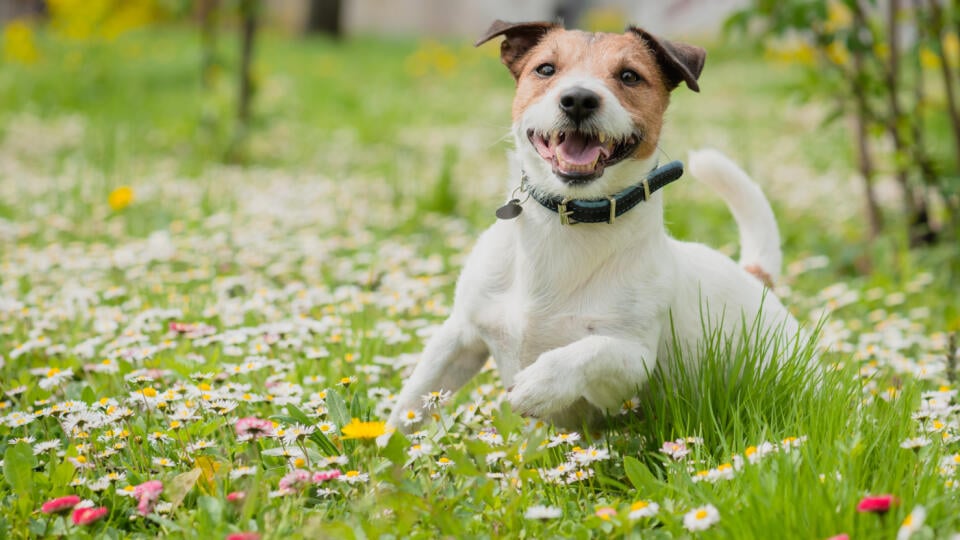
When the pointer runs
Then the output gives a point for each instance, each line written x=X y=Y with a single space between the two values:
x=307 y=276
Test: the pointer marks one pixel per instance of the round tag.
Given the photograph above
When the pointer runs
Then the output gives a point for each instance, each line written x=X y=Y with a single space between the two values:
x=510 y=210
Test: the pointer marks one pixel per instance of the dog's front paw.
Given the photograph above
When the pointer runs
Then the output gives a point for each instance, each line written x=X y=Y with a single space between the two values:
x=542 y=389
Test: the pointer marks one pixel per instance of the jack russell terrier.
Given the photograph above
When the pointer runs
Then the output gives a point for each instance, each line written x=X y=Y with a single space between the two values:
x=578 y=291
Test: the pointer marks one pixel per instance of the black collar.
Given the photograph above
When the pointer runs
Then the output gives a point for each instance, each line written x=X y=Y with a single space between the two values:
x=607 y=210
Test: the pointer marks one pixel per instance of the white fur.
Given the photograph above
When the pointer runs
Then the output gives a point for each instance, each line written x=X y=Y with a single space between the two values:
x=577 y=316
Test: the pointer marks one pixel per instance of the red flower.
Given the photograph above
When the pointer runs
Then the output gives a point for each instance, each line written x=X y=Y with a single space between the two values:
x=236 y=496
x=60 y=504
x=841 y=536
x=86 y=516
x=243 y=536
x=879 y=504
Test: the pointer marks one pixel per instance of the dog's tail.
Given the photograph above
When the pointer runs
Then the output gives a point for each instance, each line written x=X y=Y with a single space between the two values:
x=759 y=237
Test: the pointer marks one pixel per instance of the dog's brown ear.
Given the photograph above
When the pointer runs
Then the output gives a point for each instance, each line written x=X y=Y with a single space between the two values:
x=520 y=38
x=678 y=61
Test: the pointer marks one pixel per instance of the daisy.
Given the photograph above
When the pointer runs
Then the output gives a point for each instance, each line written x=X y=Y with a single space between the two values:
x=241 y=471
x=643 y=509
x=354 y=477
x=411 y=417
x=433 y=400
x=563 y=438
x=542 y=512
x=701 y=519
x=419 y=449
x=912 y=523
x=915 y=443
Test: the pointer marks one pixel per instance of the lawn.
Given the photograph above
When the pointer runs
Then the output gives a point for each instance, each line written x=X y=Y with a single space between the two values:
x=195 y=327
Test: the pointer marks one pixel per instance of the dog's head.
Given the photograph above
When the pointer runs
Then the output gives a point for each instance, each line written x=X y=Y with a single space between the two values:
x=589 y=106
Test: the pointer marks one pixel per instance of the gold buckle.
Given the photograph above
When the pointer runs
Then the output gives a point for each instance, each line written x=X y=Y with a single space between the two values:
x=613 y=209
x=646 y=189
x=564 y=213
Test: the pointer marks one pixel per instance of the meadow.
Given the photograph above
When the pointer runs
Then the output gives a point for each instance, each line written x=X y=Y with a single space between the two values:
x=202 y=326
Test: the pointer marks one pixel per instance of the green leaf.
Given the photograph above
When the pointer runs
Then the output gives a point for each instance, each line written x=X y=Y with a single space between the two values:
x=337 y=409
x=640 y=476
x=18 y=464
x=212 y=507
x=396 y=449
x=181 y=484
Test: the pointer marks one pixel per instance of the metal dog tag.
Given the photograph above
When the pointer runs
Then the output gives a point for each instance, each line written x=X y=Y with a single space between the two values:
x=510 y=210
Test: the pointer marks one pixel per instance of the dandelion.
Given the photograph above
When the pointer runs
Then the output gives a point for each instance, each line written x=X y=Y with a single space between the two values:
x=120 y=198
x=86 y=516
x=878 y=504
x=542 y=512
x=363 y=430
x=912 y=523
x=643 y=509
x=60 y=504
x=701 y=519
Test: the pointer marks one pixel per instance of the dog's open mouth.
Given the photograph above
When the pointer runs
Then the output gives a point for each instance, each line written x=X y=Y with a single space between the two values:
x=579 y=157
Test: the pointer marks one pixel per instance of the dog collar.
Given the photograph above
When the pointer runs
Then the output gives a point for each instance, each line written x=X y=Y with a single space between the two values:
x=607 y=210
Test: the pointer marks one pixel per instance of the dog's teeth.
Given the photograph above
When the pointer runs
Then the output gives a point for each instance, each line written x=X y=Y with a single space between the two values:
x=602 y=137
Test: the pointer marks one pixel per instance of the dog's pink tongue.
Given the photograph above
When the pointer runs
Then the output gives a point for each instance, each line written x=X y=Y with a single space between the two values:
x=578 y=149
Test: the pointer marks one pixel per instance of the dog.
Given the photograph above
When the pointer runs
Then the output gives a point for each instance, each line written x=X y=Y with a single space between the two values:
x=577 y=314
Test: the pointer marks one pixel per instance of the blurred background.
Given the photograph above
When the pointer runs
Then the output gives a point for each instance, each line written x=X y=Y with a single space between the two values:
x=845 y=110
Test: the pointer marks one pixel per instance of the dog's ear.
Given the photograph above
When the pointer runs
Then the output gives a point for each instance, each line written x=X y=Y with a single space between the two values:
x=678 y=61
x=520 y=38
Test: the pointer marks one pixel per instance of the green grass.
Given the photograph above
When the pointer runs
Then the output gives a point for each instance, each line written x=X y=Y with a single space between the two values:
x=327 y=243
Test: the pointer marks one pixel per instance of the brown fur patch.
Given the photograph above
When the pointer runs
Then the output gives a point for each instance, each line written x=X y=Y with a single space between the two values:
x=760 y=274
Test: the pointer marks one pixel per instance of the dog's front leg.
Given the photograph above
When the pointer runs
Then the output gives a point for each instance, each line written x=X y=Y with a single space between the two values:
x=603 y=370
x=452 y=356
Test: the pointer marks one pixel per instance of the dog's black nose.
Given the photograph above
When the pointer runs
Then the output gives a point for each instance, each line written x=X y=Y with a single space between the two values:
x=579 y=103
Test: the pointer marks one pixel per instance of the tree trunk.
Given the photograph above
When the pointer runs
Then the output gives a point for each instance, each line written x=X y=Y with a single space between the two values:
x=323 y=17
x=207 y=14
x=249 y=10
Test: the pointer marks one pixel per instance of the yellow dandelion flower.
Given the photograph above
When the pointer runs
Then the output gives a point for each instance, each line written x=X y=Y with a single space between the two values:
x=363 y=430
x=120 y=198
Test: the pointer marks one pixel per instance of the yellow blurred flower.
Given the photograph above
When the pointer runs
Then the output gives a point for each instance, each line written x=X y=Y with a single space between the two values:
x=120 y=198
x=838 y=54
x=18 y=43
x=431 y=57
x=951 y=48
x=793 y=50
x=839 y=17
x=882 y=50
x=605 y=20
x=929 y=59
x=107 y=19
x=363 y=430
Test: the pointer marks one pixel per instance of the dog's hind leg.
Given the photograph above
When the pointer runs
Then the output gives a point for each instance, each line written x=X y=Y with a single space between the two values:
x=452 y=356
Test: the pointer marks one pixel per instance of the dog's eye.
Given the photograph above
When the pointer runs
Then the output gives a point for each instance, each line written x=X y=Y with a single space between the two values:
x=630 y=77
x=546 y=70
